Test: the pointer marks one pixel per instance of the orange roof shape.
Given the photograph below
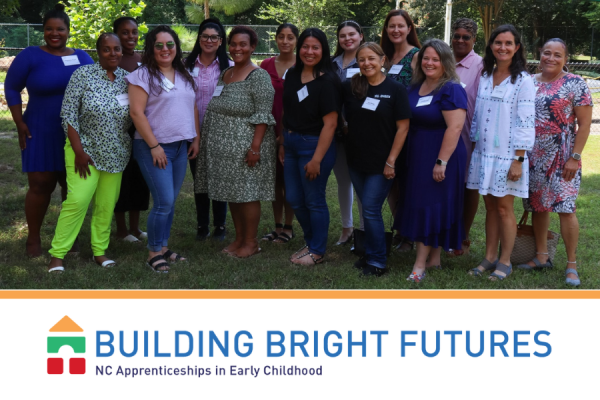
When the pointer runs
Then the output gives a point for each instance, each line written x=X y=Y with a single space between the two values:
x=66 y=325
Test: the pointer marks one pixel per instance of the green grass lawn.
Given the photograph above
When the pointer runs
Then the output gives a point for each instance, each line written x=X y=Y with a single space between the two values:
x=209 y=269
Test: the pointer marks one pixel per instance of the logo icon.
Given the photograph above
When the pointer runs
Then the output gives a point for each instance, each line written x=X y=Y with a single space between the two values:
x=77 y=343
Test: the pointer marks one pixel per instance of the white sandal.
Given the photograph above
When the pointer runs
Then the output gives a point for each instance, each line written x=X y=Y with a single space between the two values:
x=131 y=239
x=59 y=269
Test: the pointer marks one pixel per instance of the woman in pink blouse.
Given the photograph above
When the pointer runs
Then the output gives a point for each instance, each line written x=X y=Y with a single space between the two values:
x=205 y=63
x=286 y=37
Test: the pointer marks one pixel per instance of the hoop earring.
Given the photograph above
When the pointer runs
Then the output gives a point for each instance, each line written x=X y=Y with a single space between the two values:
x=566 y=68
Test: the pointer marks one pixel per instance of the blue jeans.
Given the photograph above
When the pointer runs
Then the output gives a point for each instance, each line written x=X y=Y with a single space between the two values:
x=372 y=190
x=307 y=198
x=164 y=185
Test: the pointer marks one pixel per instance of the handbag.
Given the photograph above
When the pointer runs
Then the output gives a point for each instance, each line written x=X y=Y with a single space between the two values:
x=359 y=242
x=524 y=249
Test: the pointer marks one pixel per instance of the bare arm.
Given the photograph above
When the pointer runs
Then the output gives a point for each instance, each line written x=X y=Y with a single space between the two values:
x=253 y=153
x=22 y=129
x=193 y=150
x=584 y=122
x=455 y=119
x=399 y=139
x=313 y=168
x=138 y=99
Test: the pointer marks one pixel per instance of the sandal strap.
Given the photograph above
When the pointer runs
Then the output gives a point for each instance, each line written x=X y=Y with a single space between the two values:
x=544 y=254
x=155 y=259
x=571 y=271
x=311 y=255
x=288 y=227
x=271 y=236
x=571 y=262
x=488 y=266
x=169 y=253
x=278 y=225
x=536 y=261
x=284 y=237
x=507 y=269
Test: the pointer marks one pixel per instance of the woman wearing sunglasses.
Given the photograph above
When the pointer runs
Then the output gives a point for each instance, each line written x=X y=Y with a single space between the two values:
x=163 y=108
x=206 y=62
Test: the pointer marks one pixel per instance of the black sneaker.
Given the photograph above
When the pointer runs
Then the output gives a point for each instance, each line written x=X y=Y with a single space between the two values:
x=371 y=270
x=219 y=233
x=202 y=233
x=361 y=263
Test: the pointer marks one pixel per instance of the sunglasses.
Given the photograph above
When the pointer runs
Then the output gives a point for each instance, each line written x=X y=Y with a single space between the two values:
x=466 y=38
x=210 y=38
x=161 y=45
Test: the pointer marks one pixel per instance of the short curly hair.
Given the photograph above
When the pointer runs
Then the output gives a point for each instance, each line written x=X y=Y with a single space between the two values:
x=467 y=24
x=243 y=29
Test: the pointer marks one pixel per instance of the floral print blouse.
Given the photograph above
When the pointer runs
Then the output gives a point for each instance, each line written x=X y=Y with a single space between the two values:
x=98 y=110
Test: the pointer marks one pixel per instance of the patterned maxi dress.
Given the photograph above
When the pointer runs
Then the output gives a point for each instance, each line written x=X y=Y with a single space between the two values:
x=226 y=135
x=555 y=135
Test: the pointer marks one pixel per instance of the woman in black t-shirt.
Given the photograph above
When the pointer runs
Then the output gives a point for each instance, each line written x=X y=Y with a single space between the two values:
x=311 y=103
x=377 y=112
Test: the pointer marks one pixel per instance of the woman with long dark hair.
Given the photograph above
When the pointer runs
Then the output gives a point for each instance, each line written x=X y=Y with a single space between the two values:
x=163 y=108
x=311 y=104
x=205 y=63
x=504 y=128
x=286 y=38
x=45 y=72
x=349 y=38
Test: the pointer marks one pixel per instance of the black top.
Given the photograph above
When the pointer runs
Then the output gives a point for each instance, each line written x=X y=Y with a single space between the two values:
x=306 y=116
x=371 y=133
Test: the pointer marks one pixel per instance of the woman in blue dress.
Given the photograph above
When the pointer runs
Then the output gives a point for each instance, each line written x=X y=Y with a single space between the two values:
x=431 y=214
x=45 y=72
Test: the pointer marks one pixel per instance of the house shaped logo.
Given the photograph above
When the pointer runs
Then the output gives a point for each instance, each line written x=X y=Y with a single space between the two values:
x=77 y=343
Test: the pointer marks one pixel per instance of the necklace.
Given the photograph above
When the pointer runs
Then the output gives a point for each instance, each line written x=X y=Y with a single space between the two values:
x=554 y=78
x=245 y=66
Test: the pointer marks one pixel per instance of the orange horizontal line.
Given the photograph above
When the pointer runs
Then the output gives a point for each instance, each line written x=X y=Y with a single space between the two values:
x=299 y=294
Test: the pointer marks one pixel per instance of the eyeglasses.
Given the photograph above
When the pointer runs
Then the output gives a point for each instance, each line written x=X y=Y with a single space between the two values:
x=466 y=38
x=210 y=38
x=160 y=45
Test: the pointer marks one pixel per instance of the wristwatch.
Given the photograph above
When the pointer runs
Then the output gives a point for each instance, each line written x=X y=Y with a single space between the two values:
x=519 y=158
x=576 y=156
x=441 y=162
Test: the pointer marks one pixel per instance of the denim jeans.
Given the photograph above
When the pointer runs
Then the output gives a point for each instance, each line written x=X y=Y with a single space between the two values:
x=307 y=198
x=203 y=205
x=372 y=190
x=164 y=185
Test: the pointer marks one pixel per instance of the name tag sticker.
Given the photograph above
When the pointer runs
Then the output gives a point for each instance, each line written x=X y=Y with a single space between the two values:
x=167 y=85
x=70 y=60
x=395 y=70
x=499 y=92
x=218 y=90
x=370 y=104
x=350 y=72
x=424 y=101
x=302 y=93
x=139 y=64
x=195 y=72
x=123 y=99
x=464 y=85
x=284 y=74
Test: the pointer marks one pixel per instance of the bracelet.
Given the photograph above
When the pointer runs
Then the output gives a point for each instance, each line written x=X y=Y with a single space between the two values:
x=154 y=146
x=391 y=166
x=254 y=153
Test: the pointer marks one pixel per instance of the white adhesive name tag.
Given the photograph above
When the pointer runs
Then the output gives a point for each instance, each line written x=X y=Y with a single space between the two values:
x=395 y=70
x=70 y=60
x=499 y=92
x=284 y=74
x=370 y=104
x=195 y=72
x=302 y=93
x=464 y=85
x=424 y=101
x=139 y=64
x=167 y=85
x=350 y=72
x=123 y=99
x=218 y=90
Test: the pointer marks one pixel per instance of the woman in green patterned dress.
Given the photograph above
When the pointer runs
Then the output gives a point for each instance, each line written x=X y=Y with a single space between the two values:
x=237 y=149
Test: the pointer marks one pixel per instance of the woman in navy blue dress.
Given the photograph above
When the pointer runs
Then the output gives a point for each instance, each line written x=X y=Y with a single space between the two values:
x=45 y=72
x=431 y=214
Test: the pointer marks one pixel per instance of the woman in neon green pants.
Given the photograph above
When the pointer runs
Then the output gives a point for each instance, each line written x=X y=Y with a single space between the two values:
x=95 y=116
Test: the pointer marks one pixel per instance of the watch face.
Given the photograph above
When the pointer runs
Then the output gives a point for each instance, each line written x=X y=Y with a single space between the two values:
x=576 y=156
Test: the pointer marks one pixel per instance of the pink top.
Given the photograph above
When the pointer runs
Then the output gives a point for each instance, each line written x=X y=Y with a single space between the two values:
x=207 y=82
x=269 y=66
x=469 y=72
x=170 y=113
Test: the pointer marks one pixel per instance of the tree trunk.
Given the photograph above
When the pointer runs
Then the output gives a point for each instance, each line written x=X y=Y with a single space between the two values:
x=206 y=10
x=489 y=16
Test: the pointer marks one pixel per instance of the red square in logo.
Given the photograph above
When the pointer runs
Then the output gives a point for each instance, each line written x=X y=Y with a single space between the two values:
x=77 y=366
x=55 y=366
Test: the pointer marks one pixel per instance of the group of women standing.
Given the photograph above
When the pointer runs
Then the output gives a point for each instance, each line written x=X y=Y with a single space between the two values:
x=427 y=127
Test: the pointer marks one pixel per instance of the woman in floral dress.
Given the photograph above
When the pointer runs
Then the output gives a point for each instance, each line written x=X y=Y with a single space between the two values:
x=562 y=101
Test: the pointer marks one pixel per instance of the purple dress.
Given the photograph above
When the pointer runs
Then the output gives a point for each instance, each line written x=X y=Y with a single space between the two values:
x=46 y=77
x=431 y=212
